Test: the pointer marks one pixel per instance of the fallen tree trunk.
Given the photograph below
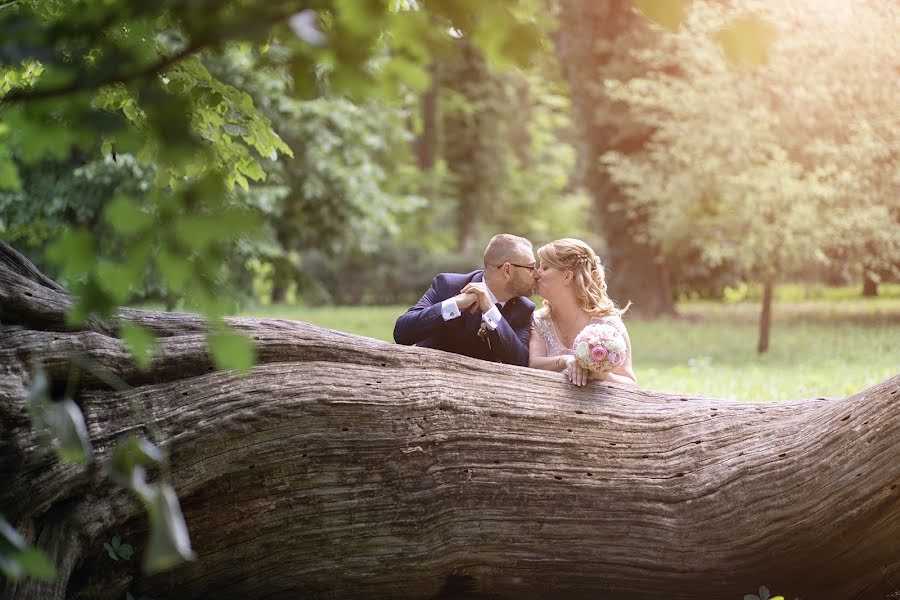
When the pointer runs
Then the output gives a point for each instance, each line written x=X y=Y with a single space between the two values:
x=341 y=466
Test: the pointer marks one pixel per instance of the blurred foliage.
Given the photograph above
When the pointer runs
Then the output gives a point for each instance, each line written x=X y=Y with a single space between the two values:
x=199 y=158
x=128 y=164
x=19 y=559
x=772 y=170
x=504 y=157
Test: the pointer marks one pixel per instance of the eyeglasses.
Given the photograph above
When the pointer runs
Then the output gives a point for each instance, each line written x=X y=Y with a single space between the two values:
x=529 y=267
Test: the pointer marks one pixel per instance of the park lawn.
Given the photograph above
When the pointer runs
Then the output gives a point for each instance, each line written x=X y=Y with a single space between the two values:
x=828 y=348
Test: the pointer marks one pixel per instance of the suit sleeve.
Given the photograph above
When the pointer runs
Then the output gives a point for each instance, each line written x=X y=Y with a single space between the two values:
x=512 y=342
x=423 y=319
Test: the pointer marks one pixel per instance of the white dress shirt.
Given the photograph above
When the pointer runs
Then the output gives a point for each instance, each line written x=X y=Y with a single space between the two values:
x=492 y=318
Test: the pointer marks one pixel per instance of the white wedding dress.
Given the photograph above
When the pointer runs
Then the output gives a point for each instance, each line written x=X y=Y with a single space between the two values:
x=543 y=324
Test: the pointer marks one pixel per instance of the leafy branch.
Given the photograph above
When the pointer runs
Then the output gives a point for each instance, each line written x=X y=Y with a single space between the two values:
x=86 y=83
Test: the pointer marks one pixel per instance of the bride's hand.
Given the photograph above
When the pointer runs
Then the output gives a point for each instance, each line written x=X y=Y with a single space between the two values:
x=577 y=374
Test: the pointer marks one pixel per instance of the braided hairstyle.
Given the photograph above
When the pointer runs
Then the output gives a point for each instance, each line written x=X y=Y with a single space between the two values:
x=570 y=254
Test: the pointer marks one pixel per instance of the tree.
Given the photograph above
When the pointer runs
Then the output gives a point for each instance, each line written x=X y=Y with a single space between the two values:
x=506 y=158
x=116 y=78
x=594 y=42
x=770 y=167
x=337 y=467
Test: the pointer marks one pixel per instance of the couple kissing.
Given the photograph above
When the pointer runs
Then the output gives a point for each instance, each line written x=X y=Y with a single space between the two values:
x=487 y=314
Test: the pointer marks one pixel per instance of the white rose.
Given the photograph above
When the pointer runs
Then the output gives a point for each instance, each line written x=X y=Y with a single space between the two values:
x=582 y=350
x=616 y=344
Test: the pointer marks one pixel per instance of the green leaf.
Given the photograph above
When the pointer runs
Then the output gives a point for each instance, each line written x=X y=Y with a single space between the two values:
x=10 y=567
x=115 y=279
x=73 y=252
x=127 y=459
x=126 y=551
x=362 y=17
x=522 y=43
x=408 y=72
x=36 y=564
x=141 y=342
x=18 y=559
x=234 y=129
x=67 y=424
x=669 y=14
x=9 y=174
x=747 y=41
x=10 y=539
x=125 y=217
x=169 y=543
x=111 y=551
x=175 y=270
x=92 y=298
x=233 y=351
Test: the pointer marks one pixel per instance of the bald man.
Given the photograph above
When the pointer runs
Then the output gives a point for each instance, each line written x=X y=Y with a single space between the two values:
x=484 y=314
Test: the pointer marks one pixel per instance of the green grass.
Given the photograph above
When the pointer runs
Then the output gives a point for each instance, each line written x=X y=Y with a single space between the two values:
x=832 y=346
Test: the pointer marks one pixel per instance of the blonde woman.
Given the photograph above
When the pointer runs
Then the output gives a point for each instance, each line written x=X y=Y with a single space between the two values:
x=572 y=282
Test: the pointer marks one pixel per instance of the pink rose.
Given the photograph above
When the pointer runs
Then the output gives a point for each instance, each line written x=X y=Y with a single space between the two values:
x=598 y=353
x=616 y=359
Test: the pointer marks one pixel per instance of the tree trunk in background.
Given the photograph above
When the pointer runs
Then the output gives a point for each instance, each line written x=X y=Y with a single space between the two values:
x=345 y=467
x=765 y=318
x=466 y=215
x=464 y=130
x=281 y=276
x=279 y=291
x=283 y=272
x=426 y=144
x=593 y=44
x=870 y=286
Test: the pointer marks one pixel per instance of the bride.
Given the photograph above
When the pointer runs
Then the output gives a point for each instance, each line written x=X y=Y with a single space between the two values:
x=572 y=283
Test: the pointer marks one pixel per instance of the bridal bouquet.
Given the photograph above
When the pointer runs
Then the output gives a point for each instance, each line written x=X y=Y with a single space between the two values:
x=600 y=347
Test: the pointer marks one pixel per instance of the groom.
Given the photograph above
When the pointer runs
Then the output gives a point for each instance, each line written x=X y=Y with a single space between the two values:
x=483 y=314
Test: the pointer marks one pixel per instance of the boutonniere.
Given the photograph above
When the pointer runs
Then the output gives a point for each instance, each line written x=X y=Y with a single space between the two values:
x=483 y=334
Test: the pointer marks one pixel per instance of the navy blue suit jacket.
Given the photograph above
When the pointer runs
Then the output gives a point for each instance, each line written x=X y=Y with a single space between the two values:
x=424 y=324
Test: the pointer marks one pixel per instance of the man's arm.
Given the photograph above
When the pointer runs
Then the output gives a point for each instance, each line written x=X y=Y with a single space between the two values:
x=429 y=313
x=511 y=343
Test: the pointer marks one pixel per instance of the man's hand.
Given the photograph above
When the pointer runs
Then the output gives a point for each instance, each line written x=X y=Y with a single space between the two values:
x=479 y=289
x=466 y=301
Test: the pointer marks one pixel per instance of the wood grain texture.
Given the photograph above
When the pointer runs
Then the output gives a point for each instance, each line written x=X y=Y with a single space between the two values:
x=341 y=466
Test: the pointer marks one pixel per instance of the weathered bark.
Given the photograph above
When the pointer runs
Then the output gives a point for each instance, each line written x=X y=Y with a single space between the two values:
x=346 y=467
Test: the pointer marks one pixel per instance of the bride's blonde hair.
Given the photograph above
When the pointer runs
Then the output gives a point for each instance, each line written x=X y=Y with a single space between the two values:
x=569 y=254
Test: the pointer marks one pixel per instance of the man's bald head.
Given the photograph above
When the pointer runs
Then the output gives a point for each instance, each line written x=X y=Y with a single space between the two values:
x=505 y=247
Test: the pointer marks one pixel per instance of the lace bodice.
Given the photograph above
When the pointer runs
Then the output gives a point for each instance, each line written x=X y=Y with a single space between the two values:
x=544 y=326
